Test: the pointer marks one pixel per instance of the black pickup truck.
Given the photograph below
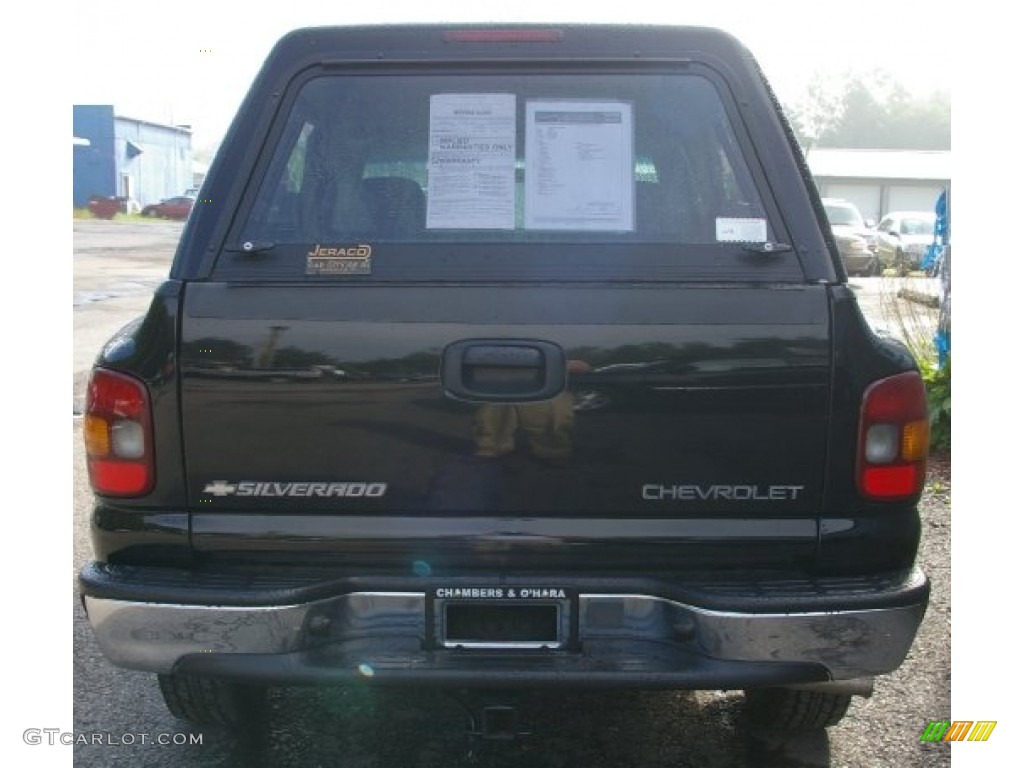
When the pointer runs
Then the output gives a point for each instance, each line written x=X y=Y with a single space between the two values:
x=501 y=357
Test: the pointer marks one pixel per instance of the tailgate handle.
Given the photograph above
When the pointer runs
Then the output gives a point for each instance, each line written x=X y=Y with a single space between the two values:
x=503 y=370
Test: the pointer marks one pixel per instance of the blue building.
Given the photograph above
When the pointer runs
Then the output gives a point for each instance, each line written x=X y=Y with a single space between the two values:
x=135 y=159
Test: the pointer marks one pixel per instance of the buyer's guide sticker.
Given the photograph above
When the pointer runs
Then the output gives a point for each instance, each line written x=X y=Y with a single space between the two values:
x=471 y=161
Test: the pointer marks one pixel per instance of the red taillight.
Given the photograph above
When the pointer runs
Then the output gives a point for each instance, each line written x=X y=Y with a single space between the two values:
x=893 y=447
x=118 y=435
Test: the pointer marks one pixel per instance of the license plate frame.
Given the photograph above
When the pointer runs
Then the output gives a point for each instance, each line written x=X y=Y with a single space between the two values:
x=502 y=618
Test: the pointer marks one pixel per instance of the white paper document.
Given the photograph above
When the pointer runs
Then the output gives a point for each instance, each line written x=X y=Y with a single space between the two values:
x=472 y=161
x=579 y=165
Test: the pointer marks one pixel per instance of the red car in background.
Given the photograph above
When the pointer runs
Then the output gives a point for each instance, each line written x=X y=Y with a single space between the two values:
x=104 y=207
x=171 y=208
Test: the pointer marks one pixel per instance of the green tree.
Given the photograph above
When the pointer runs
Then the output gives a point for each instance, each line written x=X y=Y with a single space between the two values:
x=870 y=111
x=815 y=113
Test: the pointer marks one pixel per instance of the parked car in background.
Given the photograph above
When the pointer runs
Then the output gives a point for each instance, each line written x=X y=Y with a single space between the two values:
x=171 y=208
x=855 y=239
x=107 y=207
x=903 y=237
x=104 y=207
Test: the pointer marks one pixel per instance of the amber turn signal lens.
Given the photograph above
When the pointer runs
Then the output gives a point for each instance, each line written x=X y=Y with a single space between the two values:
x=97 y=436
x=914 y=446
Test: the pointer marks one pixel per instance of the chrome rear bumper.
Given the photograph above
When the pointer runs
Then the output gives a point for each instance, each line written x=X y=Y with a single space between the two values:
x=619 y=636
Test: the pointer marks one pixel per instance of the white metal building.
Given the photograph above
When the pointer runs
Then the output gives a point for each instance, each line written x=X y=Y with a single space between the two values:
x=881 y=180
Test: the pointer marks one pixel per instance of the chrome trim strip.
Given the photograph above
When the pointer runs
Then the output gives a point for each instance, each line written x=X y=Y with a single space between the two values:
x=315 y=529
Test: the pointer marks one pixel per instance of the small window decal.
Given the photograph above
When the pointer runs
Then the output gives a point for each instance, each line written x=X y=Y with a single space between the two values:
x=339 y=260
x=741 y=230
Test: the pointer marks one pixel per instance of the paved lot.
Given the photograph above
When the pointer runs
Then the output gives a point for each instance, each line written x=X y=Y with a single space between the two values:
x=116 y=266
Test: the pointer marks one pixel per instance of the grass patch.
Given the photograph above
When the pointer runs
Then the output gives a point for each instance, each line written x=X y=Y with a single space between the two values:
x=913 y=321
x=134 y=218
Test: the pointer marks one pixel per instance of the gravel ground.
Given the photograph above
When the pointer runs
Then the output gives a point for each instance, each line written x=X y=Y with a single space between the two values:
x=884 y=731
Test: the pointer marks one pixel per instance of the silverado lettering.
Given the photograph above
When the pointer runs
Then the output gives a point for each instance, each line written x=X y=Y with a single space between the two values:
x=372 y=490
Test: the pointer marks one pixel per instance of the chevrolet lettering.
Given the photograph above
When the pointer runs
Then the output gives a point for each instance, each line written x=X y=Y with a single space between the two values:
x=544 y=371
x=721 y=492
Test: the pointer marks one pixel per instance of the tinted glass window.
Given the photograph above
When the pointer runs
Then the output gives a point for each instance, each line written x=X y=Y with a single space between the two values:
x=507 y=158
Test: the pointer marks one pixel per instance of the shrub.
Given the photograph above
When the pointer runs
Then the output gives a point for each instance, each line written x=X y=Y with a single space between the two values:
x=938 y=384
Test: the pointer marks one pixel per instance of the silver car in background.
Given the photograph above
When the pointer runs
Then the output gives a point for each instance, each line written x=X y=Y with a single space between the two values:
x=903 y=238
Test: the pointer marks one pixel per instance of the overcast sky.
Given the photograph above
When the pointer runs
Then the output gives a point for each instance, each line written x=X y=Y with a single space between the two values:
x=191 y=62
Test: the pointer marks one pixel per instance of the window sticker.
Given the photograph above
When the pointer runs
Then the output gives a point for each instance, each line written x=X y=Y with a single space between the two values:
x=579 y=165
x=471 y=165
x=339 y=260
x=741 y=230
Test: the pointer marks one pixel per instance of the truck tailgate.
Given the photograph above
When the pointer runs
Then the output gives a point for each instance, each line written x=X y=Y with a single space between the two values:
x=694 y=416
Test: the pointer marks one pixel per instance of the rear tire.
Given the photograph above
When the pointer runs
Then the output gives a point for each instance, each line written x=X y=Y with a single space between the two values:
x=786 y=709
x=874 y=268
x=211 y=701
